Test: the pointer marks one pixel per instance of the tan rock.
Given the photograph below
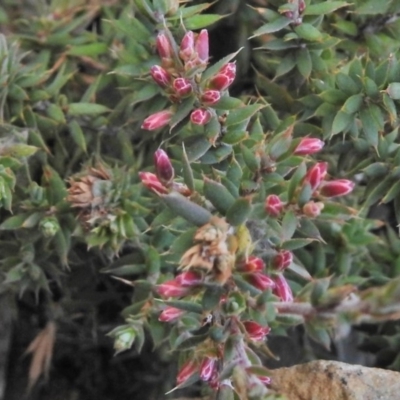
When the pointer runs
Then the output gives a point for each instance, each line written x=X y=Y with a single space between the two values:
x=332 y=380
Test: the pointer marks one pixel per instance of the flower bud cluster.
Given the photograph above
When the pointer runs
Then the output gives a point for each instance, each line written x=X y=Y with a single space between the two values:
x=162 y=181
x=206 y=368
x=296 y=14
x=181 y=285
x=315 y=177
x=180 y=73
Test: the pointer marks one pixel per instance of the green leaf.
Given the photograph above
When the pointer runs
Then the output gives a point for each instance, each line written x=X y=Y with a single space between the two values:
x=393 y=90
x=304 y=64
x=353 y=104
x=217 y=154
x=273 y=26
x=211 y=297
x=18 y=150
x=242 y=114
x=219 y=196
x=14 y=222
x=88 y=50
x=201 y=21
x=326 y=7
x=289 y=225
x=369 y=127
x=78 y=109
x=186 y=209
x=341 y=121
x=238 y=213
x=228 y=103
x=295 y=180
x=251 y=160
x=187 y=170
x=77 y=134
x=293 y=244
x=196 y=147
x=308 y=32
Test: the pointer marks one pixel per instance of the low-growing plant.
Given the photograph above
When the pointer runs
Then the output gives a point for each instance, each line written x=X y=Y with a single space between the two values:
x=230 y=217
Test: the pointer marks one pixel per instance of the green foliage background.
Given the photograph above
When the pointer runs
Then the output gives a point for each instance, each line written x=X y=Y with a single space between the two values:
x=74 y=91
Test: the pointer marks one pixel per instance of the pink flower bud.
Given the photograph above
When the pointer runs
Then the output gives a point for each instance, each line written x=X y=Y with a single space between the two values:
x=186 y=51
x=157 y=120
x=172 y=289
x=266 y=380
x=208 y=368
x=151 y=182
x=302 y=6
x=282 y=288
x=260 y=281
x=182 y=86
x=164 y=168
x=210 y=97
x=312 y=209
x=187 y=370
x=201 y=46
x=253 y=264
x=316 y=174
x=256 y=331
x=189 y=278
x=160 y=75
x=224 y=78
x=273 y=205
x=282 y=260
x=309 y=146
x=229 y=70
x=338 y=187
x=163 y=45
x=200 y=116
x=170 y=314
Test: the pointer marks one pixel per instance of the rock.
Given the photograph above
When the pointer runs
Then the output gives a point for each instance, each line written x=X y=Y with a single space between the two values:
x=332 y=380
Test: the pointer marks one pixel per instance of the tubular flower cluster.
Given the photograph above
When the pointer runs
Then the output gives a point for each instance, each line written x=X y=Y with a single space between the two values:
x=282 y=288
x=162 y=182
x=309 y=146
x=206 y=369
x=170 y=314
x=273 y=205
x=180 y=286
x=256 y=331
x=224 y=77
x=282 y=260
x=176 y=77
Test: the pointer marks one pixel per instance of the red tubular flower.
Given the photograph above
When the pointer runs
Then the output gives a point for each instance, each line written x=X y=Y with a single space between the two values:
x=261 y=281
x=256 y=331
x=224 y=78
x=186 y=51
x=187 y=370
x=208 y=368
x=160 y=75
x=157 y=120
x=210 y=97
x=282 y=260
x=316 y=174
x=201 y=46
x=200 y=116
x=189 y=278
x=309 y=146
x=273 y=205
x=151 y=181
x=170 y=314
x=282 y=288
x=253 y=264
x=312 y=209
x=164 y=168
x=182 y=86
x=172 y=289
x=163 y=45
x=338 y=187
